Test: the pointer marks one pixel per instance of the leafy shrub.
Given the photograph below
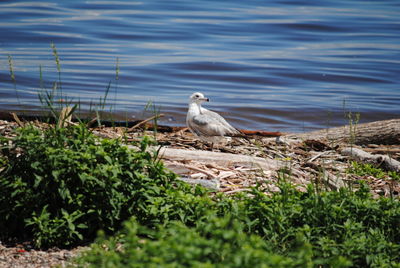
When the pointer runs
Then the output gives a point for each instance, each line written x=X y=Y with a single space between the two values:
x=218 y=242
x=61 y=186
x=286 y=229
x=362 y=169
x=344 y=223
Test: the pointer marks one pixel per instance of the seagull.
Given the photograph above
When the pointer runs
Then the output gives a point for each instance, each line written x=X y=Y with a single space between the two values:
x=207 y=125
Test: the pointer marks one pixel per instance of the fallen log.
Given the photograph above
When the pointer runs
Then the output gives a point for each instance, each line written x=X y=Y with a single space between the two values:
x=223 y=159
x=379 y=132
x=381 y=161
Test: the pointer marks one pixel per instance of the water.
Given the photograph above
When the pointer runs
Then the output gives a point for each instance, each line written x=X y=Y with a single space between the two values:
x=269 y=65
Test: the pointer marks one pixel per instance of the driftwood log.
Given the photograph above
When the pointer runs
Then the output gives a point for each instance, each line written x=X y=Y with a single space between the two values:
x=379 y=132
x=223 y=159
x=381 y=161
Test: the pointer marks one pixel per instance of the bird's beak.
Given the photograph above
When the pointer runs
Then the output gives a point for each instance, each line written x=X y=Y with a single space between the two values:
x=204 y=99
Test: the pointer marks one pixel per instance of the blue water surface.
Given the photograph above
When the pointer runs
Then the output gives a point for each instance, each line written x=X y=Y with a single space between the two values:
x=269 y=65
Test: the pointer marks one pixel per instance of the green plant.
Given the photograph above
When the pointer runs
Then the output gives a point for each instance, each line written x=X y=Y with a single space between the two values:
x=117 y=71
x=284 y=229
x=348 y=224
x=369 y=170
x=155 y=111
x=353 y=119
x=218 y=242
x=53 y=100
x=61 y=185
x=58 y=64
x=353 y=122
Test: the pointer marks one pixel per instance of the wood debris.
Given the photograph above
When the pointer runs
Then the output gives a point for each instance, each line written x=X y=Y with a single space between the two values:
x=243 y=163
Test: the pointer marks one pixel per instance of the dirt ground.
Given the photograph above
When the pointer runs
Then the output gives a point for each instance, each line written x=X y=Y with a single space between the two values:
x=303 y=161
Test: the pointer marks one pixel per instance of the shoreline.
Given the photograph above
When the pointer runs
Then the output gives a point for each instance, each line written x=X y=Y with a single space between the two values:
x=318 y=161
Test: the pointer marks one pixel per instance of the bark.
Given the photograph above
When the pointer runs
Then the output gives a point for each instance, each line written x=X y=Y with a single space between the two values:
x=379 y=132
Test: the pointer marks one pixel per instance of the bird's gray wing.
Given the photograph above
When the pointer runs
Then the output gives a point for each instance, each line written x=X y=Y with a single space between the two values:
x=209 y=123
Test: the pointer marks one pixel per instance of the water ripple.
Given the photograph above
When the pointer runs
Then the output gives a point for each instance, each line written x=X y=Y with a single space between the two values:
x=278 y=65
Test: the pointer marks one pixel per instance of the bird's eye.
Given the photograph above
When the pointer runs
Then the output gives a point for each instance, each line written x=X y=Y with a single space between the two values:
x=197 y=96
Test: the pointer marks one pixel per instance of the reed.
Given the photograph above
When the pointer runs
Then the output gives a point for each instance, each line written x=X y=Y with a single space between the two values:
x=12 y=75
x=116 y=80
x=155 y=111
x=58 y=64
x=353 y=119
x=54 y=101
x=41 y=83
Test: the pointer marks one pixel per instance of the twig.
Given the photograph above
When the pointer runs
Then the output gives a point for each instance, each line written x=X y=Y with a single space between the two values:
x=318 y=156
x=238 y=190
x=65 y=117
x=260 y=133
x=144 y=121
x=226 y=174
x=16 y=118
x=91 y=122
x=199 y=170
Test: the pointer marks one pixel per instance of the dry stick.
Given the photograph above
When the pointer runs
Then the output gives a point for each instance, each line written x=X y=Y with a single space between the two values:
x=260 y=133
x=382 y=161
x=334 y=182
x=65 y=117
x=382 y=151
x=318 y=156
x=144 y=121
x=88 y=124
x=16 y=118
x=199 y=170
x=237 y=190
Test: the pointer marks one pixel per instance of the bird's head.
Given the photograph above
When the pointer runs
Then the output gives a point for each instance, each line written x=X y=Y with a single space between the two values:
x=198 y=97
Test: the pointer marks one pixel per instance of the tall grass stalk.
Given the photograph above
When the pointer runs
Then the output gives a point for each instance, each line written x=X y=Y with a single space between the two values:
x=116 y=81
x=103 y=100
x=102 y=103
x=46 y=97
x=151 y=107
x=12 y=75
x=58 y=64
x=41 y=83
x=353 y=120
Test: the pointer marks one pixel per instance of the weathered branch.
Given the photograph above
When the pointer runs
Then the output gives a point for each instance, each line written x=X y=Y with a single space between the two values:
x=379 y=132
x=382 y=161
x=144 y=122
x=223 y=159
